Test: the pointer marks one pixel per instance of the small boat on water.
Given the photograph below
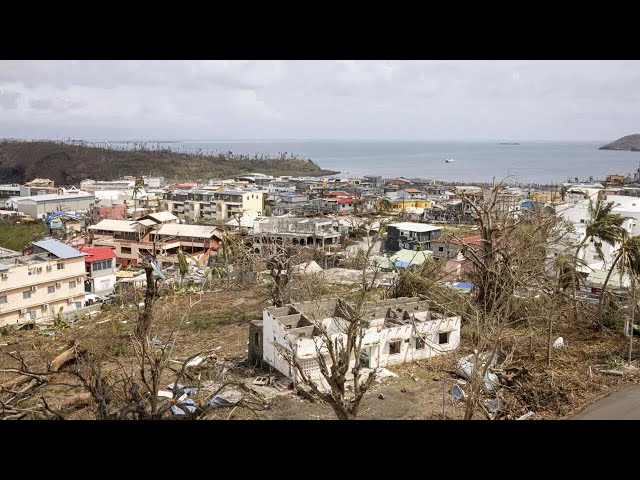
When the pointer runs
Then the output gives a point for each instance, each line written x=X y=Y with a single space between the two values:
x=450 y=160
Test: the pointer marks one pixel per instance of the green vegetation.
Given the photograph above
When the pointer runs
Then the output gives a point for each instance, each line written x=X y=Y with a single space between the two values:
x=16 y=236
x=71 y=163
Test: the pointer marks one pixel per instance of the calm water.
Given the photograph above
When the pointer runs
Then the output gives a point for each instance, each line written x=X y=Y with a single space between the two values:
x=529 y=162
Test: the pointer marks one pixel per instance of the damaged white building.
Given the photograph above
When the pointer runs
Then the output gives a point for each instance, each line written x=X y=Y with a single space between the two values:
x=400 y=330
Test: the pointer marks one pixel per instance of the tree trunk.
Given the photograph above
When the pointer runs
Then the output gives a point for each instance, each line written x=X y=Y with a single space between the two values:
x=62 y=359
x=146 y=317
x=633 y=313
x=604 y=288
x=575 y=287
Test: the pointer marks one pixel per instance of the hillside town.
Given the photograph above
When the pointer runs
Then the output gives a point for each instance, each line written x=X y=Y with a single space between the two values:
x=105 y=243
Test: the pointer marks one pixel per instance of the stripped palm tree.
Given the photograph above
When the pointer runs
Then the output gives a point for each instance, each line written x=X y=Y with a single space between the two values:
x=183 y=265
x=384 y=205
x=603 y=226
x=137 y=188
x=627 y=260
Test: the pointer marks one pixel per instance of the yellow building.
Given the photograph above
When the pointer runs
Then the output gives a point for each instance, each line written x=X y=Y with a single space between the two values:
x=547 y=197
x=400 y=205
x=38 y=285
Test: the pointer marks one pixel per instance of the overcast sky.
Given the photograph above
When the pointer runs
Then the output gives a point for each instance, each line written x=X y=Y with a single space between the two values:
x=413 y=100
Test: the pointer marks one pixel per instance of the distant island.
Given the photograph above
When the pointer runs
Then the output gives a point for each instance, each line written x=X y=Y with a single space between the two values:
x=508 y=143
x=70 y=163
x=629 y=143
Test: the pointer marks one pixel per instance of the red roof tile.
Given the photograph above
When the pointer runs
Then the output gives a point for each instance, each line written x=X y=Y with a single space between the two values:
x=95 y=254
x=336 y=194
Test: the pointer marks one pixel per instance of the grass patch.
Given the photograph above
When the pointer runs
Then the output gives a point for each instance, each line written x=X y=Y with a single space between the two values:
x=18 y=236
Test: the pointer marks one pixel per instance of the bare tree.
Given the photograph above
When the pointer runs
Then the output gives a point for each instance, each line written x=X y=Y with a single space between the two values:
x=345 y=379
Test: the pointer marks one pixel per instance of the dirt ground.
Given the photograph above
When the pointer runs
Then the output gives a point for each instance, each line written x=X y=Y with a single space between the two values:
x=220 y=321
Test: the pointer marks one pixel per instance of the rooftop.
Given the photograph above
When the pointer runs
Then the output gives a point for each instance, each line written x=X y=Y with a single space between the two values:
x=161 y=217
x=117 y=226
x=58 y=249
x=191 y=231
x=415 y=227
x=53 y=196
x=95 y=254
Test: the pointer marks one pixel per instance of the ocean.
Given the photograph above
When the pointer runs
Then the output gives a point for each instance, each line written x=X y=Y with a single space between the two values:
x=526 y=163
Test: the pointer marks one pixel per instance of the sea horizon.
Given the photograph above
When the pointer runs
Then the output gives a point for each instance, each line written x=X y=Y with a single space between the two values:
x=527 y=163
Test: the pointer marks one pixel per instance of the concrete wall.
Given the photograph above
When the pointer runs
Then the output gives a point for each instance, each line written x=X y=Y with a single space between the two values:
x=376 y=341
x=256 y=336
x=253 y=203
x=20 y=281
x=104 y=283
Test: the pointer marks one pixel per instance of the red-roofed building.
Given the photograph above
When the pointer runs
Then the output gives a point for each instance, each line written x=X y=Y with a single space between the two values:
x=100 y=263
x=336 y=194
x=413 y=192
x=188 y=185
x=452 y=251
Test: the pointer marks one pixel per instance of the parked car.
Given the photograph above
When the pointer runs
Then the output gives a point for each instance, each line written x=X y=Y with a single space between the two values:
x=91 y=299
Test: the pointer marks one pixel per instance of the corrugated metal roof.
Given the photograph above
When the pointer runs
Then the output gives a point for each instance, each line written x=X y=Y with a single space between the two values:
x=52 y=196
x=415 y=227
x=147 y=223
x=58 y=249
x=406 y=257
x=162 y=216
x=182 y=230
x=116 y=226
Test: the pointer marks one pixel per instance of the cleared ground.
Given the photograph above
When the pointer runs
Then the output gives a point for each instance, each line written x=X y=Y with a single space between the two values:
x=219 y=320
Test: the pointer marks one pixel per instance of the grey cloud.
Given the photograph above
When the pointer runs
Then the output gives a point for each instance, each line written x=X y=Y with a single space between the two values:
x=9 y=100
x=321 y=99
x=57 y=105
x=40 y=103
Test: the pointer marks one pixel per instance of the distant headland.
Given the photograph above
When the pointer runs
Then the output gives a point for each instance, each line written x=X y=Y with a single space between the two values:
x=69 y=163
x=630 y=143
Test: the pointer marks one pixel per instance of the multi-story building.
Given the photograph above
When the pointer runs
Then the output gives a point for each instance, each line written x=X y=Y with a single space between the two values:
x=153 y=182
x=215 y=205
x=9 y=190
x=94 y=186
x=411 y=236
x=100 y=264
x=38 y=285
x=399 y=330
x=155 y=233
x=39 y=206
x=287 y=202
x=299 y=231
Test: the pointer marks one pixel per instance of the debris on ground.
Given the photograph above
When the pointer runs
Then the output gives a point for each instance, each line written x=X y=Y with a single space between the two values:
x=381 y=397
x=458 y=393
x=261 y=381
x=229 y=396
x=467 y=364
x=195 y=361
x=493 y=406
x=172 y=385
x=164 y=393
x=383 y=373
x=526 y=416
x=559 y=342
